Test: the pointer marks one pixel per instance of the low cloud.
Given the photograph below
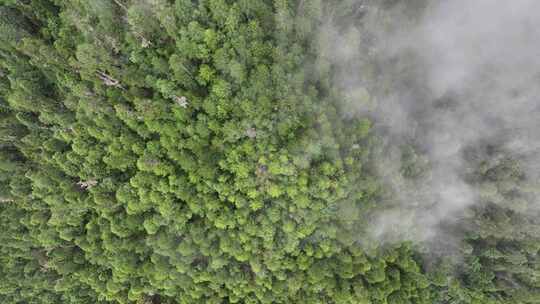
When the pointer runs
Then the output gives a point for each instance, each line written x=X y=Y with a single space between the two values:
x=447 y=77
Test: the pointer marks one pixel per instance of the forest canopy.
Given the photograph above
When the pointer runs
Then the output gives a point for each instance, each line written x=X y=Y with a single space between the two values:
x=256 y=151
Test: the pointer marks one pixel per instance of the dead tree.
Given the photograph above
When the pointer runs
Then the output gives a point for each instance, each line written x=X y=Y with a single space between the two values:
x=181 y=101
x=109 y=80
x=85 y=185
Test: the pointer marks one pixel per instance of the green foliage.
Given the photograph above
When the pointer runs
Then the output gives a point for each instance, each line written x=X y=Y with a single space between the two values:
x=181 y=152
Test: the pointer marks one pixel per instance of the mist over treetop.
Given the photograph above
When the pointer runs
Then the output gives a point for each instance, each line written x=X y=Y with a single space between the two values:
x=261 y=151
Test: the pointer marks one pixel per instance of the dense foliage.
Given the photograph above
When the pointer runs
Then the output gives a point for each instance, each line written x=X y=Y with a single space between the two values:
x=196 y=152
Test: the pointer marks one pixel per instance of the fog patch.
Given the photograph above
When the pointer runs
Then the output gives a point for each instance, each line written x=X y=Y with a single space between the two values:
x=446 y=77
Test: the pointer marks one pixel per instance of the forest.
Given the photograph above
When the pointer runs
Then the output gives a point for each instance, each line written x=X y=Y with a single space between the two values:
x=269 y=151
